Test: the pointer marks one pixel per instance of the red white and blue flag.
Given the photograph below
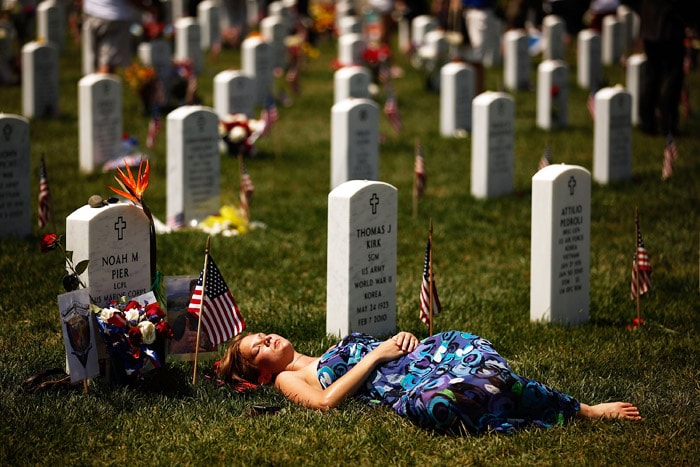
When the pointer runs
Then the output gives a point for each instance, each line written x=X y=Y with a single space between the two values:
x=546 y=158
x=247 y=190
x=391 y=110
x=427 y=288
x=221 y=318
x=44 y=196
x=419 y=171
x=670 y=156
x=641 y=269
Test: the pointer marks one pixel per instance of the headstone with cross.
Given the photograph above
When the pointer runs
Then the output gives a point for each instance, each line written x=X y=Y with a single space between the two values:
x=612 y=131
x=115 y=239
x=100 y=120
x=493 y=145
x=15 y=206
x=361 y=263
x=560 y=245
x=456 y=94
x=354 y=141
x=193 y=178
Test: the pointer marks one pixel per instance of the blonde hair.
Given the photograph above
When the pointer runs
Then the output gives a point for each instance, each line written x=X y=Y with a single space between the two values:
x=234 y=367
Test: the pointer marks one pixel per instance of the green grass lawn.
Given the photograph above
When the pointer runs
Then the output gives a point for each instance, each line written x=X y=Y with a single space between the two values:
x=277 y=274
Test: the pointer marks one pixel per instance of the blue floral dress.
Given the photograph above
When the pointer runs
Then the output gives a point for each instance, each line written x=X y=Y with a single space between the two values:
x=452 y=382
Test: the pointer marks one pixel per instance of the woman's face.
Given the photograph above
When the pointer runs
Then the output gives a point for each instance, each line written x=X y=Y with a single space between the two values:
x=267 y=352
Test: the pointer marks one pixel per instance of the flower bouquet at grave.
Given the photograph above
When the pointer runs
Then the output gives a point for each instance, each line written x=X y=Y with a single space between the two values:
x=135 y=333
x=143 y=80
x=377 y=58
x=322 y=14
x=239 y=134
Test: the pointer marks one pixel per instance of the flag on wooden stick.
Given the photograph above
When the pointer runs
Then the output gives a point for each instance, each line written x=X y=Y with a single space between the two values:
x=670 y=156
x=220 y=317
x=429 y=300
x=44 y=196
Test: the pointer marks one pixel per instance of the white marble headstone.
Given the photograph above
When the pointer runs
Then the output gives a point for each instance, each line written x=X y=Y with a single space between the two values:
x=15 y=206
x=560 y=245
x=115 y=240
x=553 y=30
x=208 y=18
x=516 y=67
x=632 y=22
x=636 y=68
x=354 y=141
x=614 y=37
x=234 y=92
x=349 y=25
x=100 y=120
x=274 y=31
x=421 y=26
x=39 y=80
x=257 y=63
x=350 y=49
x=589 y=73
x=351 y=81
x=158 y=54
x=457 y=90
x=552 y=94
x=493 y=143
x=612 y=156
x=194 y=160
x=51 y=23
x=361 y=263
x=188 y=43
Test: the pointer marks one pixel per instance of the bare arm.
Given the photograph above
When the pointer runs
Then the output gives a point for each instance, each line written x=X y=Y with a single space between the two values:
x=303 y=387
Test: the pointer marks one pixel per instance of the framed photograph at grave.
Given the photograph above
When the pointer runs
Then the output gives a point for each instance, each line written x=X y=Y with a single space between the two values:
x=182 y=346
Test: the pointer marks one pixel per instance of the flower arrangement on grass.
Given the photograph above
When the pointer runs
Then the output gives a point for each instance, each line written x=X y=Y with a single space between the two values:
x=239 y=134
x=134 y=334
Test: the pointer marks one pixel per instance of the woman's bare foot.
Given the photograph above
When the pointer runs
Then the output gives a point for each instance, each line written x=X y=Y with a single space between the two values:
x=623 y=410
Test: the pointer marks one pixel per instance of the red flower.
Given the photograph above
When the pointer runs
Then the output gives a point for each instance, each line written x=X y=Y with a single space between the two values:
x=50 y=241
x=163 y=330
x=153 y=311
x=132 y=304
x=555 y=90
x=135 y=335
x=636 y=324
x=117 y=319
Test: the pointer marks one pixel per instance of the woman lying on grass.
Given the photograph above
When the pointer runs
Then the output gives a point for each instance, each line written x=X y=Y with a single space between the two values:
x=450 y=382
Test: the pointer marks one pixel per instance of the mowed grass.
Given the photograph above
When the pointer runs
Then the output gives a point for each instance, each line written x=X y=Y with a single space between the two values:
x=277 y=274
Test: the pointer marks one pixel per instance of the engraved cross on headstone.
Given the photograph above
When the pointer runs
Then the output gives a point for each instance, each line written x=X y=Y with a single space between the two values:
x=119 y=226
x=572 y=185
x=374 y=201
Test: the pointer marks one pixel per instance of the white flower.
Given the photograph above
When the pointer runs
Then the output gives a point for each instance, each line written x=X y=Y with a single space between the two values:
x=107 y=313
x=237 y=134
x=148 y=332
x=132 y=315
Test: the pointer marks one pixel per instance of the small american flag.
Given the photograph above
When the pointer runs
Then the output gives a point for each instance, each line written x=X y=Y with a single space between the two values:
x=426 y=285
x=153 y=129
x=44 y=196
x=546 y=158
x=641 y=269
x=590 y=104
x=221 y=317
x=175 y=222
x=419 y=171
x=670 y=156
x=391 y=110
x=247 y=190
x=269 y=114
